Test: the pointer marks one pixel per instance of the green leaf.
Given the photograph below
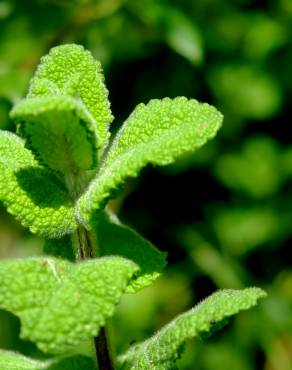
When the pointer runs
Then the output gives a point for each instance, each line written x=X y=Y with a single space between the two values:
x=115 y=238
x=61 y=304
x=61 y=248
x=31 y=193
x=14 y=361
x=77 y=362
x=162 y=350
x=70 y=70
x=156 y=133
x=61 y=132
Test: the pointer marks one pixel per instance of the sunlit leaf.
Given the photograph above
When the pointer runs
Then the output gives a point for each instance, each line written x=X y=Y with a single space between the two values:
x=61 y=304
x=162 y=350
x=71 y=70
x=156 y=133
x=31 y=193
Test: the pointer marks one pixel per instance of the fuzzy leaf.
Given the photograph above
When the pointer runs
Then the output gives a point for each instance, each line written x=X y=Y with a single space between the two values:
x=156 y=133
x=70 y=70
x=115 y=238
x=61 y=304
x=162 y=350
x=61 y=132
x=14 y=361
x=31 y=193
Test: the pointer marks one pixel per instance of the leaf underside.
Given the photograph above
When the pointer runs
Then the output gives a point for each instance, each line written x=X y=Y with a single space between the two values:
x=32 y=193
x=14 y=361
x=72 y=71
x=156 y=133
x=60 y=131
x=61 y=304
x=162 y=350
x=115 y=238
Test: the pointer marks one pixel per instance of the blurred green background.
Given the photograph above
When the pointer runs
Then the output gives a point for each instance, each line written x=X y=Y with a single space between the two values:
x=223 y=214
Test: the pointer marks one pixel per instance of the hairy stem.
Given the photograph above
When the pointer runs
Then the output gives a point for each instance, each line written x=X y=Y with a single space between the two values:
x=86 y=251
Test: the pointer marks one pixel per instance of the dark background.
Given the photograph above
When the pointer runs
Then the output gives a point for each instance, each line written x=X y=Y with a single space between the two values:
x=224 y=213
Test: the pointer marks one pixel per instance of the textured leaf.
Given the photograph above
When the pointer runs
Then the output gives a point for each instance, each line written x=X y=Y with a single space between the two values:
x=61 y=304
x=32 y=194
x=156 y=133
x=117 y=239
x=71 y=70
x=162 y=350
x=14 y=361
x=60 y=131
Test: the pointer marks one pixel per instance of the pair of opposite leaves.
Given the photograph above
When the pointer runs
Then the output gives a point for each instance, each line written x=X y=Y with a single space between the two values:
x=66 y=172
x=62 y=175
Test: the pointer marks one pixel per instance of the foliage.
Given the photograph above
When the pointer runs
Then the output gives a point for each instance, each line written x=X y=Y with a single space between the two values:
x=225 y=217
x=163 y=349
x=64 y=121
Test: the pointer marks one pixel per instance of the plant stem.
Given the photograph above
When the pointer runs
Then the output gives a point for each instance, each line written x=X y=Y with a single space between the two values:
x=102 y=350
x=86 y=251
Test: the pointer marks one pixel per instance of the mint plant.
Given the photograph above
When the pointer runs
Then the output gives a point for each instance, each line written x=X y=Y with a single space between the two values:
x=57 y=176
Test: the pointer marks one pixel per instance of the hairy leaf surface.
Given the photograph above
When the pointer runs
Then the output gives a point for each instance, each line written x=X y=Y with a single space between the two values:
x=61 y=132
x=14 y=361
x=61 y=304
x=71 y=70
x=115 y=238
x=162 y=350
x=31 y=193
x=156 y=133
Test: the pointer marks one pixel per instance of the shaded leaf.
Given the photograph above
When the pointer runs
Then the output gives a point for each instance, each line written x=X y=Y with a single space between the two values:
x=14 y=361
x=156 y=133
x=31 y=193
x=162 y=350
x=115 y=238
x=61 y=248
x=61 y=304
x=61 y=132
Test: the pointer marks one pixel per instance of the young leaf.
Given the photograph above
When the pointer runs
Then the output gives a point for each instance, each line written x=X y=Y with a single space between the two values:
x=70 y=70
x=61 y=304
x=113 y=238
x=14 y=361
x=162 y=350
x=31 y=193
x=156 y=133
x=61 y=132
